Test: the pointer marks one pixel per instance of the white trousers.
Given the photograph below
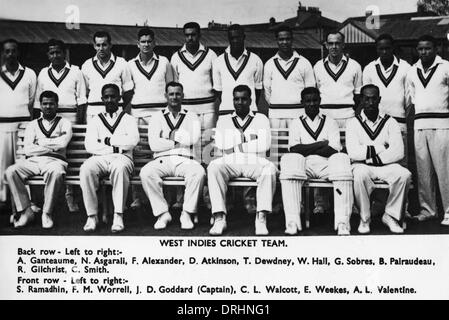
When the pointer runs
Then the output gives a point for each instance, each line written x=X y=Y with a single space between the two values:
x=8 y=142
x=173 y=166
x=234 y=165
x=398 y=179
x=118 y=168
x=432 y=162
x=53 y=171
x=316 y=167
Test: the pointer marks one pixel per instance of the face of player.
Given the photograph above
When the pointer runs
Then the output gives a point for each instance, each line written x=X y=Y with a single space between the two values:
x=236 y=40
x=110 y=98
x=335 y=45
x=10 y=52
x=174 y=97
x=385 y=50
x=146 y=44
x=242 y=102
x=49 y=108
x=285 y=41
x=103 y=47
x=426 y=51
x=311 y=104
x=370 y=103
x=192 y=38
x=56 y=56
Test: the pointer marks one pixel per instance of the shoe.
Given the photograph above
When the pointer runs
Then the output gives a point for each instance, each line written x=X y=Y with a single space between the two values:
x=292 y=228
x=72 y=205
x=35 y=208
x=391 y=223
x=261 y=224
x=250 y=206
x=196 y=219
x=445 y=221
x=186 y=221
x=47 y=221
x=343 y=230
x=318 y=209
x=136 y=204
x=219 y=226
x=25 y=217
x=423 y=217
x=91 y=223
x=364 y=228
x=162 y=221
x=117 y=223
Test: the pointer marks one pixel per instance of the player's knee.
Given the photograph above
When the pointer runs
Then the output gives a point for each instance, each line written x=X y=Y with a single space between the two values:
x=339 y=167
x=213 y=169
x=361 y=173
x=293 y=166
x=10 y=172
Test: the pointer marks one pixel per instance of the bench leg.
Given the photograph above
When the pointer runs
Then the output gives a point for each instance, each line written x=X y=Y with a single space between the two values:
x=307 y=206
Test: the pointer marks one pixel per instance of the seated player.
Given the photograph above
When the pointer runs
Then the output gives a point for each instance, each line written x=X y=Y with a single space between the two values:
x=45 y=144
x=314 y=142
x=110 y=137
x=375 y=146
x=242 y=136
x=172 y=133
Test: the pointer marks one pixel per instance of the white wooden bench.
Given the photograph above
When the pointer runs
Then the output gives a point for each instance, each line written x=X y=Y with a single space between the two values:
x=76 y=155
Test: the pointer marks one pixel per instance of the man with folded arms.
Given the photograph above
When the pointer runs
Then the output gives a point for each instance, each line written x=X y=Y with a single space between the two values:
x=172 y=133
x=242 y=136
x=45 y=145
x=314 y=142
x=110 y=137
x=375 y=146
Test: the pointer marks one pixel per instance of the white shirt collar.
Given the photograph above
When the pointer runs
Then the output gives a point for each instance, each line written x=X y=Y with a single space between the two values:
x=395 y=62
x=200 y=48
x=6 y=70
x=344 y=58
x=250 y=114
x=66 y=66
x=228 y=51
x=155 y=57
x=438 y=60
x=380 y=116
x=114 y=115
x=166 y=110
x=318 y=116
x=295 y=55
x=112 y=58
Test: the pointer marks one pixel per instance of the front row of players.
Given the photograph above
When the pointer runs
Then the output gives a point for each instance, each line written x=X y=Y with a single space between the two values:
x=373 y=141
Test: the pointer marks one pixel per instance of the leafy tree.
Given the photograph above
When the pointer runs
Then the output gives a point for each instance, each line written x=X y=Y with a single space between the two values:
x=440 y=7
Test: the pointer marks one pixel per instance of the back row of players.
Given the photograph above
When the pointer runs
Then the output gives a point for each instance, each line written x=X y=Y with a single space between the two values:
x=205 y=77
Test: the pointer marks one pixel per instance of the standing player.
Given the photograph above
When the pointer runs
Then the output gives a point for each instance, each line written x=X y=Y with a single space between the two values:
x=193 y=66
x=150 y=73
x=389 y=73
x=102 y=69
x=110 y=137
x=234 y=67
x=339 y=79
x=68 y=83
x=243 y=137
x=17 y=90
x=428 y=84
x=374 y=144
x=45 y=145
x=314 y=142
x=285 y=76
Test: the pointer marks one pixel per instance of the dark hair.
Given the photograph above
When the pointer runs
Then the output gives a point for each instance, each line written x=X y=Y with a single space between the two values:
x=235 y=27
x=370 y=86
x=309 y=90
x=49 y=94
x=110 y=86
x=173 y=84
x=335 y=32
x=283 y=29
x=102 y=34
x=242 y=88
x=10 y=40
x=56 y=42
x=192 y=25
x=145 y=31
x=427 y=37
x=385 y=36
